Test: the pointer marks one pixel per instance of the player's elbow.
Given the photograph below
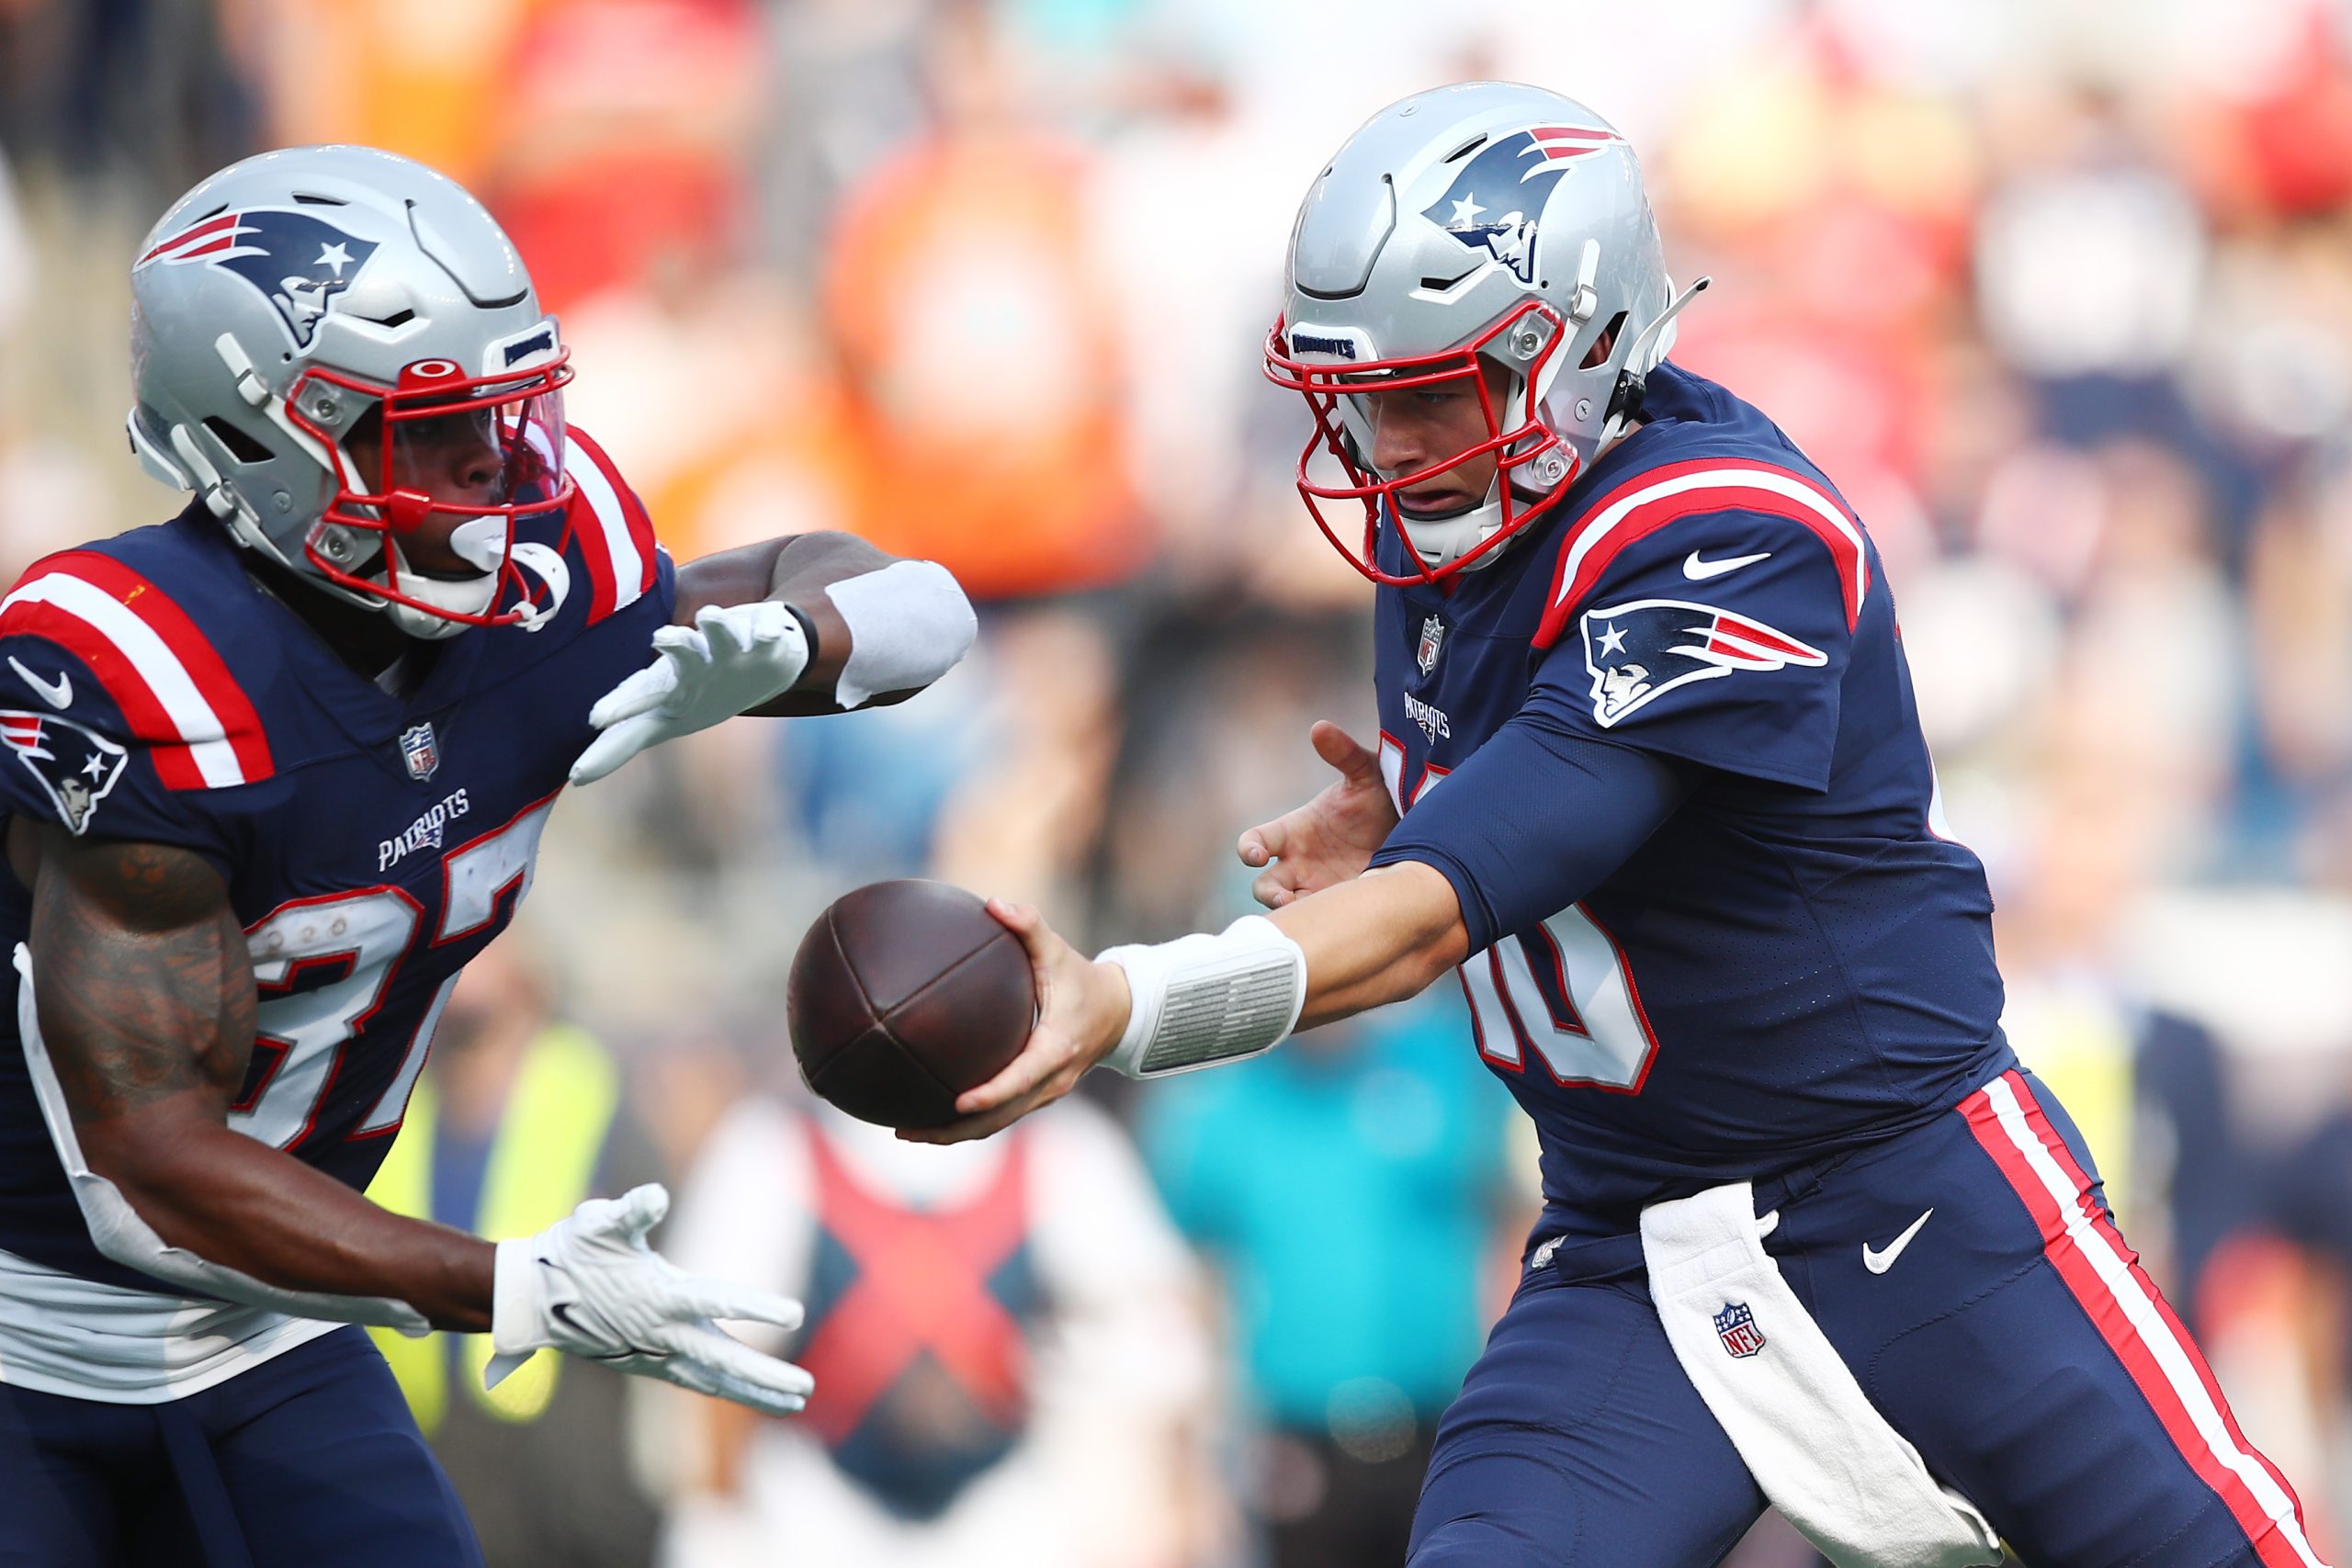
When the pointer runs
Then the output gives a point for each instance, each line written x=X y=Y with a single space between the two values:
x=155 y=1175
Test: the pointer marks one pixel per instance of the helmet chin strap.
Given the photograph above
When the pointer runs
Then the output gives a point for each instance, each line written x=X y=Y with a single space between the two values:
x=479 y=543
x=1441 y=541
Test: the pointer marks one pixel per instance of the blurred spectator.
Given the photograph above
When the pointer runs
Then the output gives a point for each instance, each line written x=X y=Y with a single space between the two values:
x=1351 y=1188
x=621 y=144
x=983 y=351
x=1010 y=1366
x=519 y=1118
x=15 y=254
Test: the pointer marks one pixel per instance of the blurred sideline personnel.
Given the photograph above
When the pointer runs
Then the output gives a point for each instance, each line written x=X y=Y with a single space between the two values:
x=518 y=1118
x=1353 y=1191
x=274 y=771
x=1651 y=778
x=1007 y=1336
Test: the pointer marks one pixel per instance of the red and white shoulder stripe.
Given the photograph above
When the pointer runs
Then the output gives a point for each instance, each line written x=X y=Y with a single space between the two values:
x=615 y=537
x=174 y=690
x=1651 y=500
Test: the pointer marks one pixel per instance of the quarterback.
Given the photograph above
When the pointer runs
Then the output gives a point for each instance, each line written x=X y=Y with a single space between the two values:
x=1651 y=781
x=273 y=772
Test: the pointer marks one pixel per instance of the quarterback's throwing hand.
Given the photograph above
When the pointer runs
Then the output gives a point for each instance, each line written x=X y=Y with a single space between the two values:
x=589 y=1286
x=1082 y=1011
x=733 y=658
x=1331 y=839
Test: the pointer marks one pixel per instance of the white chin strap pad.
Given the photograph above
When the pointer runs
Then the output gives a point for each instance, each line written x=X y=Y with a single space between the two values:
x=1202 y=1000
x=1439 y=542
x=481 y=543
x=907 y=623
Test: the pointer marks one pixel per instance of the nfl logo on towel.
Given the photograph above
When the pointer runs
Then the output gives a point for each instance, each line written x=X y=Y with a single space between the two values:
x=419 y=751
x=1737 y=1325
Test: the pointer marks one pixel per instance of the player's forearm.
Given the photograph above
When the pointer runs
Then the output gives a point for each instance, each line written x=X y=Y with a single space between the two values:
x=1381 y=938
x=926 y=624
x=241 y=1204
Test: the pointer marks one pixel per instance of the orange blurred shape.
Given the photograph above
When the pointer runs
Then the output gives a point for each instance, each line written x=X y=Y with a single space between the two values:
x=983 y=361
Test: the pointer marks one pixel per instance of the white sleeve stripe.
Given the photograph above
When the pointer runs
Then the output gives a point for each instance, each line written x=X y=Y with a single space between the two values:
x=1597 y=528
x=152 y=661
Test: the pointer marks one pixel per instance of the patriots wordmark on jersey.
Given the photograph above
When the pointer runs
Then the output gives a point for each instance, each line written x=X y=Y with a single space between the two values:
x=153 y=691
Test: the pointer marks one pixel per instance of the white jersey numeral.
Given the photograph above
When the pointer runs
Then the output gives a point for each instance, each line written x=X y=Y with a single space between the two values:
x=301 y=1035
x=1601 y=1039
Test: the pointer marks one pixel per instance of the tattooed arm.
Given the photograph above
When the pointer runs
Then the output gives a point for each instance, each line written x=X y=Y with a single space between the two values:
x=147 y=1004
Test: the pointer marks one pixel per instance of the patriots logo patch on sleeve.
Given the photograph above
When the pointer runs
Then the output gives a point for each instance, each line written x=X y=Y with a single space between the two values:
x=76 y=765
x=1639 y=651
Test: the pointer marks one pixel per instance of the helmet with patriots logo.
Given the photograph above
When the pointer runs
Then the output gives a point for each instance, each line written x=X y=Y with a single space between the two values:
x=1483 y=224
x=304 y=306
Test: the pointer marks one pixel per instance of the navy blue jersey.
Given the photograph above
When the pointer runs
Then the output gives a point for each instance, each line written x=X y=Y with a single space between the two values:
x=152 y=690
x=1796 y=960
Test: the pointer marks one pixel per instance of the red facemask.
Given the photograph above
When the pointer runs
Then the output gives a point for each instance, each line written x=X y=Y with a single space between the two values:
x=1523 y=447
x=517 y=418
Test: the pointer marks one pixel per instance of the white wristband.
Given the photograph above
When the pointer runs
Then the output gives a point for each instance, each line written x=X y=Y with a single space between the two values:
x=907 y=626
x=1202 y=1000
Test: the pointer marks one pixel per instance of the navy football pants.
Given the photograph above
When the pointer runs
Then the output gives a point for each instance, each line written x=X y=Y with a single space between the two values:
x=310 y=1458
x=2013 y=1340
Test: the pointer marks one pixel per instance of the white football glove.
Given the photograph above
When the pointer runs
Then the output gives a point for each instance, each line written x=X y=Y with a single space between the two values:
x=734 y=656
x=589 y=1286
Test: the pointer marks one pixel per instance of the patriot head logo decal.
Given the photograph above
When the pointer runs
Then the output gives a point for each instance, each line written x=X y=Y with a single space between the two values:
x=299 y=261
x=76 y=765
x=1496 y=201
x=1639 y=651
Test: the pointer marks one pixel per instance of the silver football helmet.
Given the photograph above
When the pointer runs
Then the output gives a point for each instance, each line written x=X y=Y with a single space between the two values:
x=303 y=317
x=1483 y=223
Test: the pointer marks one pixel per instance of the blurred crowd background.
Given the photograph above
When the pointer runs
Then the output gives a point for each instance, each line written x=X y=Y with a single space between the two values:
x=2058 y=291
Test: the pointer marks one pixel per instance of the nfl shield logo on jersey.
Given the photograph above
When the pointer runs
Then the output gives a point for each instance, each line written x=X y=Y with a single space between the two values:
x=1736 y=1326
x=1433 y=639
x=419 y=751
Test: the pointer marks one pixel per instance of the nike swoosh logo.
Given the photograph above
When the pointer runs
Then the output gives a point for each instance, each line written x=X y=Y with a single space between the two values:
x=59 y=691
x=1699 y=570
x=1879 y=1262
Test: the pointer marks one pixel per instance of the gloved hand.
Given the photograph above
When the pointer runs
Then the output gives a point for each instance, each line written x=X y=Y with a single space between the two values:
x=734 y=656
x=589 y=1286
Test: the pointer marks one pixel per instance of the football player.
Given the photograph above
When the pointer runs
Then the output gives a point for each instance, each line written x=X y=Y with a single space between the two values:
x=273 y=772
x=1650 y=780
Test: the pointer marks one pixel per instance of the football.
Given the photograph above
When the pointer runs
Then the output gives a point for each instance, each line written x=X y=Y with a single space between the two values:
x=904 y=995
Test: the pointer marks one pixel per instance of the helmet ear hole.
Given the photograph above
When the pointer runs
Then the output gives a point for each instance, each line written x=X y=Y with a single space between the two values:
x=1605 y=344
x=239 y=445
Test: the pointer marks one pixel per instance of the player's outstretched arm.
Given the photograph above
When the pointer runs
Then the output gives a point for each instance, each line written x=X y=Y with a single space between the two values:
x=1330 y=839
x=811 y=624
x=1377 y=938
x=143 y=989
x=145 y=997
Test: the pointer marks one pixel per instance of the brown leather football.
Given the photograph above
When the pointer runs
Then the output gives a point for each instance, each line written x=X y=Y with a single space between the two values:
x=904 y=995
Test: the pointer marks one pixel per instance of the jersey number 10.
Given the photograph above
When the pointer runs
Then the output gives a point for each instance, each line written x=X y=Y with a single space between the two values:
x=1586 y=1027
